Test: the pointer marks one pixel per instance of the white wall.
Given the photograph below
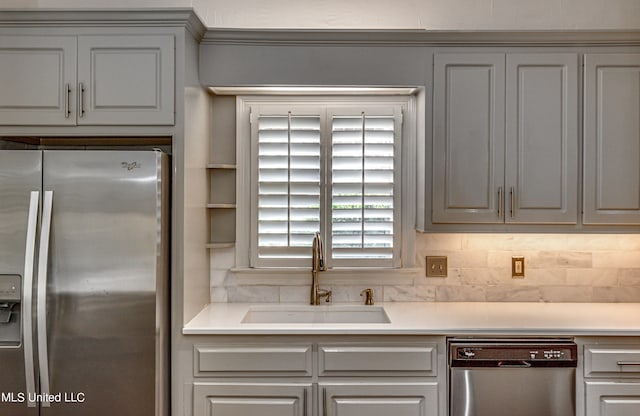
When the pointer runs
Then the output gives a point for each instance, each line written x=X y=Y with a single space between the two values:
x=385 y=14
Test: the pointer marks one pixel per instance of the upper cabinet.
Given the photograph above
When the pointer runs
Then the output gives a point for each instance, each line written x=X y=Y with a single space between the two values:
x=612 y=139
x=468 y=141
x=87 y=80
x=36 y=74
x=505 y=138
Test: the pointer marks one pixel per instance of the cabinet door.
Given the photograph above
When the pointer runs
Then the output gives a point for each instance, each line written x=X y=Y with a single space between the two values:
x=611 y=398
x=468 y=138
x=612 y=139
x=379 y=399
x=37 y=74
x=251 y=399
x=126 y=80
x=541 y=179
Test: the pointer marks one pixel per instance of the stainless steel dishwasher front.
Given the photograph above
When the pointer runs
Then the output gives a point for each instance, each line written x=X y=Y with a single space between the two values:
x=500 y=377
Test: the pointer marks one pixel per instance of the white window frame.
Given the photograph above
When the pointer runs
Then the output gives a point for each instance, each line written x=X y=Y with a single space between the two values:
x=246 y=185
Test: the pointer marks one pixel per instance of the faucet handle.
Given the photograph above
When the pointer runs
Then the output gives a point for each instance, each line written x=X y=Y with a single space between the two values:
x=326 y=294
x=368 y=296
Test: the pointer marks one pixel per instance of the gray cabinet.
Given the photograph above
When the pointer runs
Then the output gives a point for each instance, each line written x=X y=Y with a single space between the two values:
x=329 y=376
x=36 y=75
x=612 y=398
x=126 y=80
x=612 y=139
x=468 y=138
x=370 y=398
x=612 y=377
x=252 y=399
x=505 y=138
x=87 y=80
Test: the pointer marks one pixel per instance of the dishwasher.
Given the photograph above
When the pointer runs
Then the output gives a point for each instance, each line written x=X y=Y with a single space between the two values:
x=523 y=377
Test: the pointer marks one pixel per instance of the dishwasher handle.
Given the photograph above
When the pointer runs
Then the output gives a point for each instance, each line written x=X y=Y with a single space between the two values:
x=514 y=364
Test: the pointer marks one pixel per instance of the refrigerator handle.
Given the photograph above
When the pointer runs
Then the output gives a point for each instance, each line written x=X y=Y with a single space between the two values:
x=43 y=263
x=27 y=282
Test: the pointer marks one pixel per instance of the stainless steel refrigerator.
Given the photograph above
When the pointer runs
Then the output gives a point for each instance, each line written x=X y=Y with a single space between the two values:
x=83 y=283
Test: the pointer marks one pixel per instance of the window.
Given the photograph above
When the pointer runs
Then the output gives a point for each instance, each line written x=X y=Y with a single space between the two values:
x=328 y=166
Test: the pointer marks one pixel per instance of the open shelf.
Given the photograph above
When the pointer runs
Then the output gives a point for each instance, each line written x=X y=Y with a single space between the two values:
x=221 y=166
x=222 y=206
x=219 y=245
x=221 y=171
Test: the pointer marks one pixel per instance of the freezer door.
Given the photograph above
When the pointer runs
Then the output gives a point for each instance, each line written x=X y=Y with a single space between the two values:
x=105 y=284
x=20 y=174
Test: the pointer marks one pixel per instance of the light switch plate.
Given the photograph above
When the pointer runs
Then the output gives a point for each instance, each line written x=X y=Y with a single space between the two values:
x=517 y=267
x=436 y=266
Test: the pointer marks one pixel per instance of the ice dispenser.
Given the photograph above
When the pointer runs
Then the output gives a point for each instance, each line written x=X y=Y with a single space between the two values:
x=10 y=302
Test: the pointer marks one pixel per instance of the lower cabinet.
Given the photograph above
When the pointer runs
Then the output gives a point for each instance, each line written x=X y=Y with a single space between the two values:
x=613 y=398
x=612 y=377
x=251 y=399
x=353 y=398
x=319 y=376
x=370 y=398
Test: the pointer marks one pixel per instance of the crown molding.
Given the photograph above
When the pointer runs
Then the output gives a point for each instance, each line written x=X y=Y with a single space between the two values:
x=186 y=17
x=167 y=17
x=292 y=37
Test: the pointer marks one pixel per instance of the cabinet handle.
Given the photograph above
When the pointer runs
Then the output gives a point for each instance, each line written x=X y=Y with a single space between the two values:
x=324 y=402
x=513 y=202
x=628 y=363
x=500 y=201
x=304 y=402
x=67 y=98
x=81 y=99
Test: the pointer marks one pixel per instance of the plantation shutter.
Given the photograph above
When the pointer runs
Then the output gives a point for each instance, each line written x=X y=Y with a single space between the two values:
x=328 y=169
x=363 y=196
x=288 y=200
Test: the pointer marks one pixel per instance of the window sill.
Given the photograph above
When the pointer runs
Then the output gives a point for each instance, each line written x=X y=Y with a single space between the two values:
x=338 y=276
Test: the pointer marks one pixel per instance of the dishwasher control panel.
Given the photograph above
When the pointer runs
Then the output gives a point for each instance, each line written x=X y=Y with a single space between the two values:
x=516 y=353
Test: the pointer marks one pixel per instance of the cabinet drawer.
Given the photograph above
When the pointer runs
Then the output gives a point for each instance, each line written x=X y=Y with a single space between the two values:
x=371 y=358
x=252 y=399
x=603 y=360
x=210 y=360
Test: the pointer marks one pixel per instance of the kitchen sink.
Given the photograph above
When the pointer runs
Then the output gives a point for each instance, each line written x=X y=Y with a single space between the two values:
x=308 y=314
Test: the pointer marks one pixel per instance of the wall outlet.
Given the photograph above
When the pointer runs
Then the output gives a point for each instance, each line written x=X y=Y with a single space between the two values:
x=517 y=267
x=436 y=266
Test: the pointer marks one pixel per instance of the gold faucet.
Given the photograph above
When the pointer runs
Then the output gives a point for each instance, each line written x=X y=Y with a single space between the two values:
x=317 y=266
x=368 y=296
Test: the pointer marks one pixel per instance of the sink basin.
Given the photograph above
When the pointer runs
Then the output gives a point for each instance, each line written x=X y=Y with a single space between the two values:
x=308 y=314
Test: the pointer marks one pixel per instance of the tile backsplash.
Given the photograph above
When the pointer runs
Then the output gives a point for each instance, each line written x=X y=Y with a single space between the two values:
x=558 y=268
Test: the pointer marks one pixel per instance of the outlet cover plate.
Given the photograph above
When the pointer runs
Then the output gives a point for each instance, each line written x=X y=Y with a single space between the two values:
x=517 y=267
x=436 y=266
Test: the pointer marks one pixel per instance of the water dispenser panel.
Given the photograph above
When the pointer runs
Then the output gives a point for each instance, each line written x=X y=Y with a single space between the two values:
x=10 y=288
x=10 y=305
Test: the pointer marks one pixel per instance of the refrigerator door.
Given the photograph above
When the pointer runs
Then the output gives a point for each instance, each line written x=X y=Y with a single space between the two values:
x=20 y=174
x=106 y=283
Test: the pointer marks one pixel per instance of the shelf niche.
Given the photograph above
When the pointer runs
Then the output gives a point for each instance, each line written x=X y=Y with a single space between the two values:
x=222 y=173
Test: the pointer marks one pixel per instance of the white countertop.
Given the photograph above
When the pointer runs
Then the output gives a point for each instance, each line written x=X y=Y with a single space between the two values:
x=443 y=318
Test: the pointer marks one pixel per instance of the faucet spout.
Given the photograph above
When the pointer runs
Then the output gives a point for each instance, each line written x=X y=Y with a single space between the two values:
x=318 y=265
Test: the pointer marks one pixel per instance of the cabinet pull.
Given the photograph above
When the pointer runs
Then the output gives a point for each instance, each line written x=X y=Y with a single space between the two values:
x=513 y=202
x=628 y=363
x=81 y=99
x=67 y=98
x=500 y=201
x=324 y=402
x=304 y=402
